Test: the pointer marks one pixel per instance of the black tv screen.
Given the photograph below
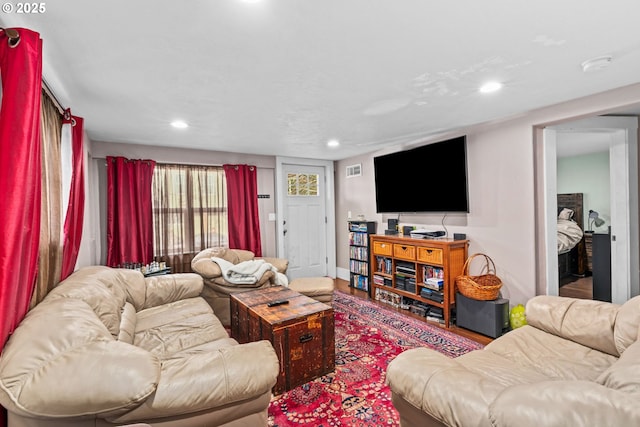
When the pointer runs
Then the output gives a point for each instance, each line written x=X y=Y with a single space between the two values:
x=430 y=178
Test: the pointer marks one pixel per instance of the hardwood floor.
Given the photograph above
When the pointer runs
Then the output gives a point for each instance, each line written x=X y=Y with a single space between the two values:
x=343 y=285
x=581 y=287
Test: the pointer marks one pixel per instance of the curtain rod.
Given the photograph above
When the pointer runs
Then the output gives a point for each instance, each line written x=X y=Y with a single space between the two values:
x=51 y=95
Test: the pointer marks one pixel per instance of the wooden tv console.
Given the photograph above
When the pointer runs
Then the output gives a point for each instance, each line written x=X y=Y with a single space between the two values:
x=400 y=266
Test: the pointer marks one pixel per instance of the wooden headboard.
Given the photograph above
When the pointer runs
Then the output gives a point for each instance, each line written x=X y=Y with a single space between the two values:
x=574 y=202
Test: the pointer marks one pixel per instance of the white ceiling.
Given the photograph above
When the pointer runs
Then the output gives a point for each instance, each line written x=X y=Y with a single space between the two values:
x=282 y=77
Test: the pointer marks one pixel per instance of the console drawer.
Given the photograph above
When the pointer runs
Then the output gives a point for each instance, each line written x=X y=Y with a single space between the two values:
x=404 y=252
x=430 y=255
x=382 y=248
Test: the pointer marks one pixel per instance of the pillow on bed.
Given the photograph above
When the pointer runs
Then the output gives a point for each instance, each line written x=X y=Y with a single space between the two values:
x=565 y=214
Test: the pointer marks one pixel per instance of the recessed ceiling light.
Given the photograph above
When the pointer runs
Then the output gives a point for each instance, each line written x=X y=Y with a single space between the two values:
x=333 y=143
x=490 y=87
x=179 y=124
x=596 y=64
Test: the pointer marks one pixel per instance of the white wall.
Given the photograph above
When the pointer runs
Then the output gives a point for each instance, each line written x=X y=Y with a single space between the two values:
x=500 y=171
x=588 y=174
x=503 y=187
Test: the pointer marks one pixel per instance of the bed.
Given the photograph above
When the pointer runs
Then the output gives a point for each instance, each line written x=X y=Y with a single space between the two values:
x=572 y=258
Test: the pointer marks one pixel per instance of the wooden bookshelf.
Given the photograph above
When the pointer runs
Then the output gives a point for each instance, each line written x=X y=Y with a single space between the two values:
x=401 y=267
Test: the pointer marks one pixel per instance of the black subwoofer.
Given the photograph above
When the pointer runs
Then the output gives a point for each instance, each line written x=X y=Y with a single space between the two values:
x=489 y=318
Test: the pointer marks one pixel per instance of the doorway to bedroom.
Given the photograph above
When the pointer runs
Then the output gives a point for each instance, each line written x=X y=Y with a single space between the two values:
x=619 y=243
x=583 y=188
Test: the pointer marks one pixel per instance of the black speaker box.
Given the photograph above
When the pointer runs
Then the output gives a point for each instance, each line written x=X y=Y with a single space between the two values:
x=392 y=224
x=459 y=236
x=489 y=318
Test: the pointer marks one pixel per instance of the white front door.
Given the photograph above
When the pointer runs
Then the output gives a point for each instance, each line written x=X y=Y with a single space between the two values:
x=304 y=220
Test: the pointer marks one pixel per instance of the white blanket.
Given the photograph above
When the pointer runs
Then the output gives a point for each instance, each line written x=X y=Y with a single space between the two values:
x=243 y=273
x=569 y=234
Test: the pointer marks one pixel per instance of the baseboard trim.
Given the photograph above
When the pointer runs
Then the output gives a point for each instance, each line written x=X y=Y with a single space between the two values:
x=342 y=273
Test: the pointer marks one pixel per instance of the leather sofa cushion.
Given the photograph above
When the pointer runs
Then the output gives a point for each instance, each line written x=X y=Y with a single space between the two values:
x=564 y=403
x=242 y=255
x=550 y=355
x=586 y=322
x=99 y=290
x=172 y=287
x=189 y=384
x=132 y=283
x=203 y=265
x=127 y=324
x=627 y=324
x=624 y=375
x=169 y=329
x=281 y=264
x=443 y=388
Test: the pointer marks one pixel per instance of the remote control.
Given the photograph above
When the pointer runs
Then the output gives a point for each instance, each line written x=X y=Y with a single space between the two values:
x=278 y=302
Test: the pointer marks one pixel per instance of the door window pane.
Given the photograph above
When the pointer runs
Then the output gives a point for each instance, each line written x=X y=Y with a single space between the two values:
x=302 y=184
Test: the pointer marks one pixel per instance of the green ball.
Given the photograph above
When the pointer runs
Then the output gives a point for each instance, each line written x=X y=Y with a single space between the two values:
x=517 y=316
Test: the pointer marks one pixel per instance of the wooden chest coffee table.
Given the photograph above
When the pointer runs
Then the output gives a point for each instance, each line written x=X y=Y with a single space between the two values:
x=301 y=332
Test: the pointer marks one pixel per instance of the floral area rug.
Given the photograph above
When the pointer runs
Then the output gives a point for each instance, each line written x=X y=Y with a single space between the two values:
x=367 y=338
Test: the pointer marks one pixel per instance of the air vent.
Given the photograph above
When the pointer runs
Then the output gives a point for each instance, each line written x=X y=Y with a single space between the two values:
x=354 y=170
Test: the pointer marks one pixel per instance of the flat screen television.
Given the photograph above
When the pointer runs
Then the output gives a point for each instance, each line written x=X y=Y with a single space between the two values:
x=429 y=178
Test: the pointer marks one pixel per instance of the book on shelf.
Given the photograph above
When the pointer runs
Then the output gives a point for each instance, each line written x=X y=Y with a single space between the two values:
x=383 y=264
x=433 y=287
x=359 y=252
x=434 y=313
x=382 y=281
x=435 y=319
x=405 y=303
x=419 y=308
x=359 y=267
x=432 y=295
x=359 y=227
x=359 y=239
x=390 y=298
x=433 y=272
x=405 y=270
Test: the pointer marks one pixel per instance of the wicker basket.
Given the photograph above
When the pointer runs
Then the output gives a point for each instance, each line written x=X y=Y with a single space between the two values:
x=484 y=287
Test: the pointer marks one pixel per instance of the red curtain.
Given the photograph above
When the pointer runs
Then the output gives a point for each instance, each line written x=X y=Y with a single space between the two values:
x=129 y=211
x=75 y=211
x=20 y=174
x=242 y=208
